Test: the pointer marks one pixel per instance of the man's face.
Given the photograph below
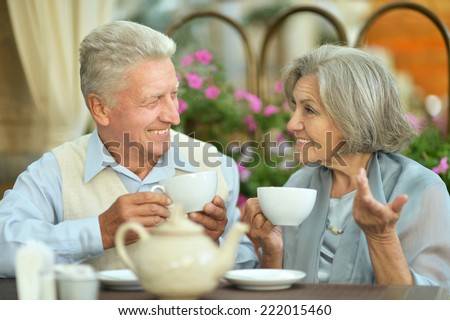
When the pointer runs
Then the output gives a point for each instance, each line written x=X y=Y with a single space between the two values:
x=144 y=112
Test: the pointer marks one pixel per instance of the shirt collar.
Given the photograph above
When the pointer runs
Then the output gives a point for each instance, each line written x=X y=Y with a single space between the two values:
x=98 y=158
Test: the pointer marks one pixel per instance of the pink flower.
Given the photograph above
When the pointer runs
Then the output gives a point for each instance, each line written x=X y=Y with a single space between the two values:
x=442 y=167
x=416 y=122
x=203 y=56
x=242 y=199
x=194 y=80
x=255 y=102
x=182 y=106
x=240 y=94
x=278 y=86
x=212 y=92
x=270 y=110
x=244 y=173
x=187 y=60
x=249 y=121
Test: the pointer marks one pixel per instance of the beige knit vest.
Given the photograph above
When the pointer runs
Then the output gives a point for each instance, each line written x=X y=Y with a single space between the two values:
x=82 y=200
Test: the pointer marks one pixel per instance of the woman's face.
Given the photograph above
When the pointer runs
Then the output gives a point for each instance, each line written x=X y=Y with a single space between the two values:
x=318 y=139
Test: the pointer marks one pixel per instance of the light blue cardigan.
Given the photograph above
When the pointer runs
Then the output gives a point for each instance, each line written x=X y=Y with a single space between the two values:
x=423 y=227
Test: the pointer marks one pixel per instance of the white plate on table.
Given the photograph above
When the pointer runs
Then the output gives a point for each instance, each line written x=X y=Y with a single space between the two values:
x=264 y=279
x=123 y=279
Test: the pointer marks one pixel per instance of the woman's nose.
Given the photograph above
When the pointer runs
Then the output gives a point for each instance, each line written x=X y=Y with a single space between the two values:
x=295 y=123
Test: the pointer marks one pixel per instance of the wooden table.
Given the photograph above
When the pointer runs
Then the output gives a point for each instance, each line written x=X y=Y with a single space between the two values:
x=296 y=292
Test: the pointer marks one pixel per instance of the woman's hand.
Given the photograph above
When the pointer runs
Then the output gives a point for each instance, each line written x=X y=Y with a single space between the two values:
x=378 y=223
x=377 y=220
x=264 y=234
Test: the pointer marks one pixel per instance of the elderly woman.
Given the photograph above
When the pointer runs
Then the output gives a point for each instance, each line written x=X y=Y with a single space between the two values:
x=379 y=217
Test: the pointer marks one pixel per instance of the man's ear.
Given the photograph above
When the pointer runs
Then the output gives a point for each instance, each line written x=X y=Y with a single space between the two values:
x=99 y=109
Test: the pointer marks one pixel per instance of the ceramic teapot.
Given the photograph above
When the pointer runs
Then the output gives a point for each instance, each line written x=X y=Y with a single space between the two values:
x=177 y=260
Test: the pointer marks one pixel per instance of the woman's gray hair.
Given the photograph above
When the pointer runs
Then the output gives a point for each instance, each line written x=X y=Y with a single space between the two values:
x=359 y=94
x=111 y=50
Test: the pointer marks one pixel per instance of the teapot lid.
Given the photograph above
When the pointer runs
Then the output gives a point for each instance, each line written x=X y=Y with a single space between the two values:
x=178 y=223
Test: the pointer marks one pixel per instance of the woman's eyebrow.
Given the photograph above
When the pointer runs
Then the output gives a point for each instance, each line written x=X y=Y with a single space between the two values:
x=303 y=101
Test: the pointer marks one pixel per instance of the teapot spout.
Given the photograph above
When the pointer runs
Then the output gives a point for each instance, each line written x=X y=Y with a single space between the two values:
x=227 y=252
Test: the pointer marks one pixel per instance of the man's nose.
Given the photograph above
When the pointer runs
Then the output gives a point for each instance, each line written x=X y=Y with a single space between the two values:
x=169 y=112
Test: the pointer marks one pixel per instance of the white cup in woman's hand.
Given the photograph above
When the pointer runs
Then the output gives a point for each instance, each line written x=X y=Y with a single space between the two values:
x=286 y=206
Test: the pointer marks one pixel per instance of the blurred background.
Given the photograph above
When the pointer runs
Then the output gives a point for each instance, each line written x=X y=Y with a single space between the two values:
x=40 y=100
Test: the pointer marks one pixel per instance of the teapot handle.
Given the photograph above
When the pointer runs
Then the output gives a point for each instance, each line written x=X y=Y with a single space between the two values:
x=120 y=240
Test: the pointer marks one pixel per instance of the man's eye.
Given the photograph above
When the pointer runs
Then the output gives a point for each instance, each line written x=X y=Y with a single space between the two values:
x=151 y=104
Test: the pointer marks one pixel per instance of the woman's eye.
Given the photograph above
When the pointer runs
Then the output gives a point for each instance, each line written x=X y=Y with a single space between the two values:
x=174 y=94
x=310 y=110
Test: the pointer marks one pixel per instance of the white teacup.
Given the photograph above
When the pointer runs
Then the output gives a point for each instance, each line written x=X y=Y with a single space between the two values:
x=286 y=206
x=192 y=190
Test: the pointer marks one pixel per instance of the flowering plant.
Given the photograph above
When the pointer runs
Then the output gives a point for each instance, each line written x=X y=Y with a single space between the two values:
x=253 y=131
x=206 y=101
x=431 y=148
x=239 y=123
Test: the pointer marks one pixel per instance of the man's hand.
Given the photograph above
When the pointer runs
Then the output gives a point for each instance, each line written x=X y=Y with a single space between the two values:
x=147 y=208
x=213 y=218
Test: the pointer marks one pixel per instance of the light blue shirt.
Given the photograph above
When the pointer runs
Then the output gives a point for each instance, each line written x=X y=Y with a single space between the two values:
x=33 y=209
x=423 y=227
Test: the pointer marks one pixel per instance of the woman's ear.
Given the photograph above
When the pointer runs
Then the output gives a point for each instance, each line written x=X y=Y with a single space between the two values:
x=99 y=109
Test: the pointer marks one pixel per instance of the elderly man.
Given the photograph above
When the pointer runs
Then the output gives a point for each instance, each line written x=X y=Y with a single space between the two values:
x=75 y=197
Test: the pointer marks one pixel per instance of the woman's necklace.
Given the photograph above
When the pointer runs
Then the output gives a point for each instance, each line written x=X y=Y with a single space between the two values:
x=333 y=229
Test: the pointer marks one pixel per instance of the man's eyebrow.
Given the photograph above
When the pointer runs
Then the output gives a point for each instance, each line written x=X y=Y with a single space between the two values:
x=156 y=95
x=149 y=99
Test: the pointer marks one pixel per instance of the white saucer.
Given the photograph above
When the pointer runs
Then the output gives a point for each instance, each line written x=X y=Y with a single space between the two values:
x=264 y=279
x=123 y=279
